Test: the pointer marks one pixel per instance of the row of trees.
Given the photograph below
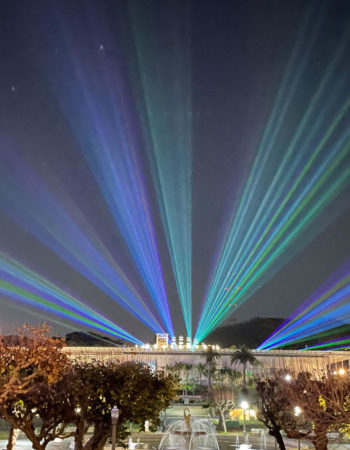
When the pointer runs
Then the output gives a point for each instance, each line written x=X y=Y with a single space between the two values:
x=226 y=387
x=308 y=406
x=194 y=373
x=242 y=356
x=37 y=381
x=46 y=395
x=230 y=386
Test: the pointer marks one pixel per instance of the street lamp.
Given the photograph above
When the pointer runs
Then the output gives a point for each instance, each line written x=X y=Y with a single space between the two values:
x=297 y=411
x=114 y=417
x=245 y=406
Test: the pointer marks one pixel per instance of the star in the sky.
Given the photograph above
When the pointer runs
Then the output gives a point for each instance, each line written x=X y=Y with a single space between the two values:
x=13 y=88
x=101 y=47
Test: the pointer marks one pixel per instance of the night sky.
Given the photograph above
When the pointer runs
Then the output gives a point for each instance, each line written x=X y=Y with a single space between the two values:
x=231 y=58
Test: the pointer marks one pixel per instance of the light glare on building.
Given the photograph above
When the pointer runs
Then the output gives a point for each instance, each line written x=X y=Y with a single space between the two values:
x=162 y=340
x=164 y=343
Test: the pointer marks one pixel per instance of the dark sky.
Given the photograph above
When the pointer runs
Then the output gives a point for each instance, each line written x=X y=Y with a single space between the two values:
x=239 y=51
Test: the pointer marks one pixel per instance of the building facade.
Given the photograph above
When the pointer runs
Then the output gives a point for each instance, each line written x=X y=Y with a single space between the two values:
x=270 y=360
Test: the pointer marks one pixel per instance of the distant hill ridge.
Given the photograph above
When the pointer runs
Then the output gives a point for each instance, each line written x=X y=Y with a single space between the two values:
x=80 y=339
x=254 y=331
x=251 y=333
x=74 y=339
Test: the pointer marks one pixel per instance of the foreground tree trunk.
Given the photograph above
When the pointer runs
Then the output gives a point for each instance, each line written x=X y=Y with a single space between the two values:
x=280 y=441
x=96 y=443
x=80 y=431
x=13 y=435
x=28 y=430
x=99 y=438
x=30 y=433
x=320 y=445
x=321 y=440
x=276 y=433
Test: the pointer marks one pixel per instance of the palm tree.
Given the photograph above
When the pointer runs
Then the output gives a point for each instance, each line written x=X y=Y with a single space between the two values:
x=176 y=369
x=181 y=367
x=228 y=376
x=210 y=356
x=187 y=368
x=243 y=356
x=200 y=370
x=211 y=373
x=222 y=376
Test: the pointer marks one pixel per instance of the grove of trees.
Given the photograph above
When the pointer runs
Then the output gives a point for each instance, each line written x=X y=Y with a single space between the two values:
x=45 y=395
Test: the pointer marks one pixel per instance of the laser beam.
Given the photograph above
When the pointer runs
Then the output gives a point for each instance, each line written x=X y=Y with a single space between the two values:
x=36 y=209
x=95 y=96
x=164 y=94
x=286 y=190
x=21 y=284
x=319 y=315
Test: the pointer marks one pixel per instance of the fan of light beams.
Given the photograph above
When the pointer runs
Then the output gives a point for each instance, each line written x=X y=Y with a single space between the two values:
x=290 y=184
x=128 y=109
x=162 y=85
x=322 y=314
x=64 y=230
x=95 y=95
x=19 y=283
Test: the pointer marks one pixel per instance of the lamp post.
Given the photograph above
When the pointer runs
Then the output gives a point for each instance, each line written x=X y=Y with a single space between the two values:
x=114 y=417
x=297 y=411
x=245 y=406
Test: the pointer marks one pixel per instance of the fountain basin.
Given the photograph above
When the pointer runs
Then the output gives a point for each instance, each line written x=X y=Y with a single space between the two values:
x=196 y=434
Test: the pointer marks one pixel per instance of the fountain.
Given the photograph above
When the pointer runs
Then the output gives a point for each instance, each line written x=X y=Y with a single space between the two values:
x=245 y=446
x=132 y=445
x=189 y=434
x=263 y=439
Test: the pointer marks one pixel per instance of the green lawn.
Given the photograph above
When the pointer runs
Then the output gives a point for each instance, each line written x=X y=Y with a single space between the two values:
x=4 y=434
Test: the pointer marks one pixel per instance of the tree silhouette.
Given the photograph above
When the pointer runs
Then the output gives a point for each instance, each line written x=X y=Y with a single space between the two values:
x=223 y=400
x=274 y=408
x=228 y=377
x=30 y=363
x=210 y=356
x=322 y=402
x=243 y=356
x=187 y=369
x=139 y=394
x=201 y=371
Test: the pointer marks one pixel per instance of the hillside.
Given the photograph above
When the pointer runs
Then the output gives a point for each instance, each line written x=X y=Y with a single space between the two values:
x=251 y=333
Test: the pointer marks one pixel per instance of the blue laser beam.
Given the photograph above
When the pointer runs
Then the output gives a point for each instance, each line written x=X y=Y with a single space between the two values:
x=21 y=284
x=306 y=177
x=164 y=94
x=39 y=212
x=324 y=310
x=96 y=102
